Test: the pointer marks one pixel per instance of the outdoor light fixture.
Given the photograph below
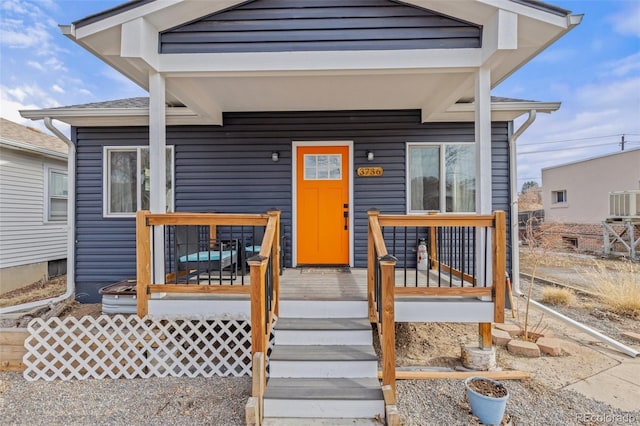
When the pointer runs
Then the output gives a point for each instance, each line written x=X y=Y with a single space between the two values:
x=370 y=156
x=275 y=156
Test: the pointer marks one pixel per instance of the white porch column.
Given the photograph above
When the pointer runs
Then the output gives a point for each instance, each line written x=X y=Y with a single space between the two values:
x=483 y=140
x=483 y=164
x=157 y=166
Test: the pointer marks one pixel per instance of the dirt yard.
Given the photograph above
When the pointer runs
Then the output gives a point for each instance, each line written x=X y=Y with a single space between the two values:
x=438 y=345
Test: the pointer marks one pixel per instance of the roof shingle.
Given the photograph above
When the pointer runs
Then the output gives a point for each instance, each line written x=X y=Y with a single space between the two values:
x=19 y=133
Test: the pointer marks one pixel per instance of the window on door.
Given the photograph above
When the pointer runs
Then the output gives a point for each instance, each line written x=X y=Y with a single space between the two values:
x=441 y=177
x=322 y=167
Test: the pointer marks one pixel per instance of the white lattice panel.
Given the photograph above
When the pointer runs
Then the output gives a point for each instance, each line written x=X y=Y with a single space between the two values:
x=128 y=347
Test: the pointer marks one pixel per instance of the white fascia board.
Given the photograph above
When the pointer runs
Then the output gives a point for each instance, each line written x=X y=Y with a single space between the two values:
x=163 y=14
x=92 y=117
x=468 y=10
x=121 y=18
x=25 y=147
x=113 y=117
x=177 y=64
x=547 y=107
x=529 y=12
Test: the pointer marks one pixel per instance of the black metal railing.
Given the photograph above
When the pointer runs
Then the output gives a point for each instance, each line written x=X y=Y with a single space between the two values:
x=196 y=255
x=451 y=255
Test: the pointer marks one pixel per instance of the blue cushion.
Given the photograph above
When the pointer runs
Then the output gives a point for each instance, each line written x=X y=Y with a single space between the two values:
x=206 y=256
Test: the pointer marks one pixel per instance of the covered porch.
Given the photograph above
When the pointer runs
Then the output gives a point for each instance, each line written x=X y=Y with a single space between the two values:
x=463 y=282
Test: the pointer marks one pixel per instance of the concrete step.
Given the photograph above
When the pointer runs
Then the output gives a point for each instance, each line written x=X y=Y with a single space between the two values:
x=323 y=398
x=323 y=331
x=324 y=308
x=300 y=361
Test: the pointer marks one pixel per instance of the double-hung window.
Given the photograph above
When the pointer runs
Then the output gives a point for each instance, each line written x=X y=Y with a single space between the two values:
x=57 y=193
x=127 y=180
x=441 y=177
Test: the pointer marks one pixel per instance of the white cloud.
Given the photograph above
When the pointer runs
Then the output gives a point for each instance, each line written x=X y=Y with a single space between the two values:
x=14 y=6
x=31 y=94
x=24 y=25
x=57 y=88
x=16 y=34
x=622 y=67
x=35 y=64
x=54 y=64
x=10 y=105
x=627 y=22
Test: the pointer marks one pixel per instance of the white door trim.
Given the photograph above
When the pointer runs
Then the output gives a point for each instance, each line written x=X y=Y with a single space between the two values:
x=294 y=193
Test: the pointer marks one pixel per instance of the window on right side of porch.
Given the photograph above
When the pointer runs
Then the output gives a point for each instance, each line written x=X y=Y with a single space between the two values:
x=441 y=177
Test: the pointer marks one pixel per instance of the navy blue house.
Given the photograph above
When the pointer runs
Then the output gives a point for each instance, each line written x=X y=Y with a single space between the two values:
x=246 y=96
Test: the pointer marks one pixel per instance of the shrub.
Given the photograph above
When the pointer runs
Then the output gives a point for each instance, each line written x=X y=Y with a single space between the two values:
x=557 y=296
x=619 y=289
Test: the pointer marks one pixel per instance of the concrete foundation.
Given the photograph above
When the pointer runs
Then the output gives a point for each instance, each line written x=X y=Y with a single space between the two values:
x=16 y=277
x=479 y=359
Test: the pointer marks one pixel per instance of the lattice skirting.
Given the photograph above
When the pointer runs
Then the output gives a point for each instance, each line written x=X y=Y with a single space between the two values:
x=129 y=347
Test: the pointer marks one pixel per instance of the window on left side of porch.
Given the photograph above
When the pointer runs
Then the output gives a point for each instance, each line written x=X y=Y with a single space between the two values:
x=126 y=180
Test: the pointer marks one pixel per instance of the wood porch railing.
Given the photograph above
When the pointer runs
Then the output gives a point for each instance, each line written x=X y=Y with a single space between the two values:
x=458 y=259
x=264 y=288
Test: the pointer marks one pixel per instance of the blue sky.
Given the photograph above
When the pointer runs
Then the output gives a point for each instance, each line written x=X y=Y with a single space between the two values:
x=594 y=71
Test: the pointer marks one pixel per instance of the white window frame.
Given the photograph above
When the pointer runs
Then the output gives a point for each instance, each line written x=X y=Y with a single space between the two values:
x=442 y=177
x=554 y=197
x=106 y=172
x=48 y=196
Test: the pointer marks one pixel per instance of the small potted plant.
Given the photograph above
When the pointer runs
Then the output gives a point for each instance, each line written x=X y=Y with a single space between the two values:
x=488 y=399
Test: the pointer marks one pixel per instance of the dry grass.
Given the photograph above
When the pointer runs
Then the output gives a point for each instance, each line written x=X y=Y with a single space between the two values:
x=618 y=289
x=37 y=291
x=557 y=296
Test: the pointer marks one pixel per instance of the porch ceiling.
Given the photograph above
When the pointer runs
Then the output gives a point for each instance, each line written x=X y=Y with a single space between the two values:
x=432 y=80
x=354 y=91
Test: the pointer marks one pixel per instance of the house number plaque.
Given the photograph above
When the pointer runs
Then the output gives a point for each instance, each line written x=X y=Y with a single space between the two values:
x=369 y=171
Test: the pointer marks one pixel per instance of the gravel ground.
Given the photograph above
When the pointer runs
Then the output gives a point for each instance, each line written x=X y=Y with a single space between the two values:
x=155 y=401
x=220 y=401
x=438 y=402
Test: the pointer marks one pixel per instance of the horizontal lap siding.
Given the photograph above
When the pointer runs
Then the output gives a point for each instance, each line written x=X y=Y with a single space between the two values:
x=229 y=169
x=500 y=181
x=315 y=25
x=25 y=235
x=105 y=248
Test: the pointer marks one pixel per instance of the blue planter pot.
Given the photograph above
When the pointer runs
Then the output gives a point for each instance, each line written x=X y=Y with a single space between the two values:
x=487 y=409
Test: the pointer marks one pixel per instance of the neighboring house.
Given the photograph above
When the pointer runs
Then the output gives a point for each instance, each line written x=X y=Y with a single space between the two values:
x=33 y=206
x=576 y=195
x=244 y=96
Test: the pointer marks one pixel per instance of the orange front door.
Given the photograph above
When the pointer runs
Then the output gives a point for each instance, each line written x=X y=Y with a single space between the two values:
x=322 y=205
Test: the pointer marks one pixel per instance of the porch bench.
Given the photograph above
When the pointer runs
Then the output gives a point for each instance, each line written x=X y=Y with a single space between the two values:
x=222 y=256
